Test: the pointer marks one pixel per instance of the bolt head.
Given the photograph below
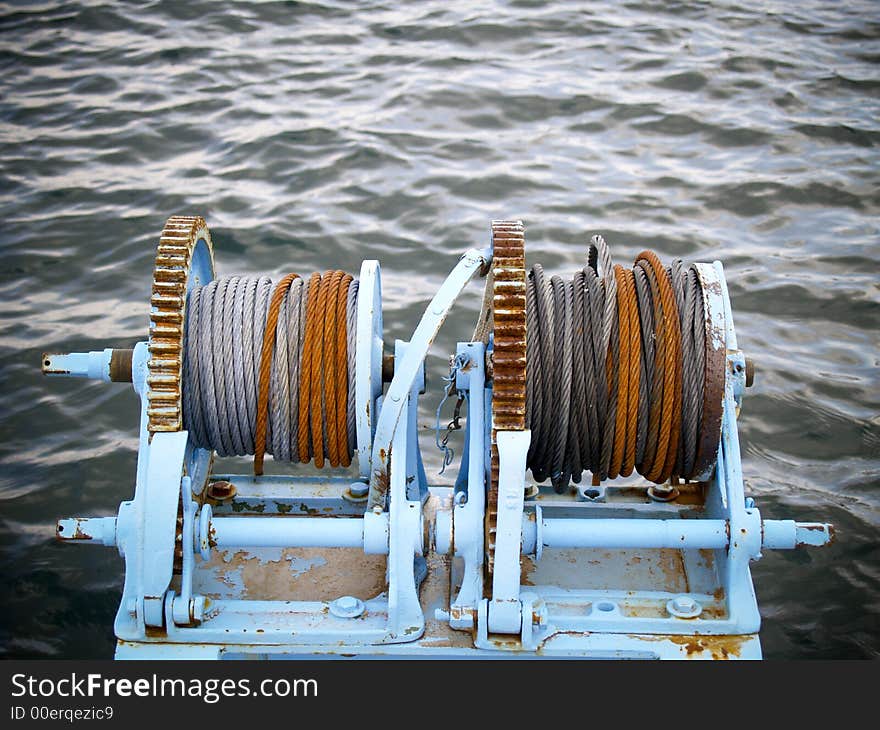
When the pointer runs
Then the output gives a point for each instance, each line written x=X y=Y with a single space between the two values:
x=685 y=604
x=359 y=489
x=347 y=607
x=684 y=607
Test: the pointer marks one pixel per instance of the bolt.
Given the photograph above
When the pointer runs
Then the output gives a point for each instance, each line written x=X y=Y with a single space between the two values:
x=220 y=491
x=358 y=489
x=684 y=607
x=685 y=604
x=663 y=492
x=347 y=607
x=346 y=603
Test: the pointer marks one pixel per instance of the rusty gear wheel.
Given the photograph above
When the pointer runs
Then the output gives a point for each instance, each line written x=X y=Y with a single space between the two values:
x=184 y=259
x=509 y=353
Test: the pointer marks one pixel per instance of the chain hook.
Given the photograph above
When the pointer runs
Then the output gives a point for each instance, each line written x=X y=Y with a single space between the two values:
x=455 y=365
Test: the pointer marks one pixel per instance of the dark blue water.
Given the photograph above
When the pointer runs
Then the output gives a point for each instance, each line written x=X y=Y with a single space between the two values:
x=313 y=135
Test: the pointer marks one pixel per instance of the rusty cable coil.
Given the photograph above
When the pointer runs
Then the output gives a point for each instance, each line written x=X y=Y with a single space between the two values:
x=616 y=370
x=269 y=369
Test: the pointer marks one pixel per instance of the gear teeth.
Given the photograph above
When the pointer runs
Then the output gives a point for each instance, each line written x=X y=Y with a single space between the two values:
x=509 y=354
x=166 y=301
x=171 y=277
x=164 y=330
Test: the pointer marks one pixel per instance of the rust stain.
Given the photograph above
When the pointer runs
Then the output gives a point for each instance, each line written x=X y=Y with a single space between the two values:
x=719 y=647
x=644 y=610
x=671 y=565
x=714 y=610
x=47 y=365
x=505 y=642
x=78 y=532
x=344 y=571
x=221 y=491
x=692 y=493
x=527 y=567
x=382 y=479
x=707 y=556
x=635 y=493
x=821 y=528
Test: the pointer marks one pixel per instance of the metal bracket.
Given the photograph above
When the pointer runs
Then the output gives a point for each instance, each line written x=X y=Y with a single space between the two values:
x=504 y=608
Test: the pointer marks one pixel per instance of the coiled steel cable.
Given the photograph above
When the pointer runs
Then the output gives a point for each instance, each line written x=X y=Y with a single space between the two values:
x=615 y=375
x=270 y=369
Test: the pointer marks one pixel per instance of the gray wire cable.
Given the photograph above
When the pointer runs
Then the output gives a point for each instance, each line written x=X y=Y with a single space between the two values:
x=572 y=398
x=562 y=302
x=646 y=322
x=240 y=415
x=296 y=322
x=247 y=348
x=593 y=305
x=279 y=394
x=534 y=399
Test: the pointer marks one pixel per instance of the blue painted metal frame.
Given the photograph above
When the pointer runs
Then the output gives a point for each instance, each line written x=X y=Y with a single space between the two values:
x=161 y=615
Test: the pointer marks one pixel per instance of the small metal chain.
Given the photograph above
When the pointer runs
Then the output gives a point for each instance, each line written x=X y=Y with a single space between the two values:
x=455 y=364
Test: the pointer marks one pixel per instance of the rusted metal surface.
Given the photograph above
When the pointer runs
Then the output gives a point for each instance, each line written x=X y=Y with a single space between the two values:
x=281 y=495
x=288 y=574
x=714 y=647
x=120 y=365
x=77 y=533
x=659 y=569
x=387 y=368
x=221 y=491
x=435 y=593
x=171 y=275
x=715 y=370
x=46 y=364
x=509 y=355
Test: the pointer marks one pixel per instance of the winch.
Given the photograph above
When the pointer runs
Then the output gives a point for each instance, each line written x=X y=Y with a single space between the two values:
x=598 y=509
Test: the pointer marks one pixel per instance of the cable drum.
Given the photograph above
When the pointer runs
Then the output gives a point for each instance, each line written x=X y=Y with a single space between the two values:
x=616 y=370
x=271 y=368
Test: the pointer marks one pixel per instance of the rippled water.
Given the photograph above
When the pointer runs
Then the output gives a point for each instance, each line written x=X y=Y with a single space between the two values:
x=312 y=135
